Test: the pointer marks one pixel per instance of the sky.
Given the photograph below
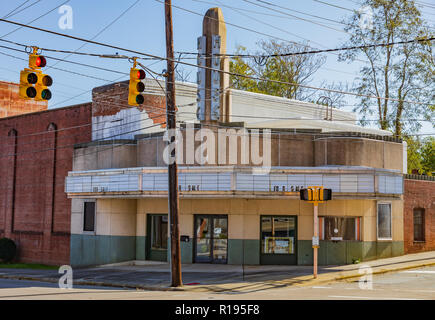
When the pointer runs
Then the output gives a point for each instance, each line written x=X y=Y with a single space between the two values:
x=142 y=28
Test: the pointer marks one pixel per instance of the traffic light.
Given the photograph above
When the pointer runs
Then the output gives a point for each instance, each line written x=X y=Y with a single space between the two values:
x=27 y=79
x=42 y=91
x=136 y=87
x=306 y=194
x=33 y=83
x=325 y=194
x=37 y=61
x=318 y=194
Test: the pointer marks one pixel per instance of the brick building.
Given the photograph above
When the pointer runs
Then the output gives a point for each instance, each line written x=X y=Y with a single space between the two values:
x=11 y=104
x=419 y=213
x=36 y=151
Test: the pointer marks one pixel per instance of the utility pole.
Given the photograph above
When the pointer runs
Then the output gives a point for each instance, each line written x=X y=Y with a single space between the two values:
x=172 y=166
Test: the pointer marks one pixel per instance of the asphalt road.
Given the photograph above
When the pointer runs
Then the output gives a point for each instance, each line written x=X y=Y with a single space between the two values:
x=405 y=285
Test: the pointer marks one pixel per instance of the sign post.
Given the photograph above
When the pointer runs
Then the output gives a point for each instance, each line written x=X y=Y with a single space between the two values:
x=315 y=238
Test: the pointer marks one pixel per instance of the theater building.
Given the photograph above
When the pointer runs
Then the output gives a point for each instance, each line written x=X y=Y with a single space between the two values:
x=231 y=211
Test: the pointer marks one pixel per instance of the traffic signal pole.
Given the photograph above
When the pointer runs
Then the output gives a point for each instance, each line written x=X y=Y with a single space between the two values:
x=316 y=235
x=315 y=195
x=173 y=203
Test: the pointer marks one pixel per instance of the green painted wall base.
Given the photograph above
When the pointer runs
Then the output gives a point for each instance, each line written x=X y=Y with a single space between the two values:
x=245 y=251
x=88 y=250
x=345 y=252
x=140 y=248
x=186 y=249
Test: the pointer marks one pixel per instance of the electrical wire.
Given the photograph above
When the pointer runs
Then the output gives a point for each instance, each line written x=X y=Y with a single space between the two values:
x=100 y=32
x=74 y=144
x=208 y=68
x=11 y=13
x=41 y=16
x=224 y=89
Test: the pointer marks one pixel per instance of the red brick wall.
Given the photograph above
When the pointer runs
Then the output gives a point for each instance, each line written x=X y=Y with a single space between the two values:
x=11 y=104
x=419 y=194
x=34 y=209
x=110 y=99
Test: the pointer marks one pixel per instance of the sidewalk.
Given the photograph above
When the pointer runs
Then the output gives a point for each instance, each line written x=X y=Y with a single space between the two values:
x=219 y=278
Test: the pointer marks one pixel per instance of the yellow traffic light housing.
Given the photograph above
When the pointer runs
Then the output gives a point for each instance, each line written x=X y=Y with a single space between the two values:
x=136 y=87
x=37 y=61
x=42 y=91
x=315 y=194
x=28 y=78
x=33 y=83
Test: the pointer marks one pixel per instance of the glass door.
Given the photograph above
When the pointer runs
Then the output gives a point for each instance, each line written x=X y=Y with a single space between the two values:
x=157 y=237
x=211 y=238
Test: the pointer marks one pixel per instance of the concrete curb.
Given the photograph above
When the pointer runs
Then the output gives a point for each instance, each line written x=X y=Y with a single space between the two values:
x=307 y=280
x=94 y=283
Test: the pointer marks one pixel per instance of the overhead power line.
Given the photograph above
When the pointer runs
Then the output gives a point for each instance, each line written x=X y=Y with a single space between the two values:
x=374 y=45
x=208 y=68
x=43 y=15
x=12 y=12
x=100 y=32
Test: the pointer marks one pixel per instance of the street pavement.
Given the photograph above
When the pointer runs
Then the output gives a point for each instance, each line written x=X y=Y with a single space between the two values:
x=413 y=284
x=231 y=280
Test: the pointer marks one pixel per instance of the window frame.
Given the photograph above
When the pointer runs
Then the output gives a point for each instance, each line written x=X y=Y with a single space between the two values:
x=391 y=220
x=423 y=225
x=358 y=227
x=95 y=218
x=272 y=216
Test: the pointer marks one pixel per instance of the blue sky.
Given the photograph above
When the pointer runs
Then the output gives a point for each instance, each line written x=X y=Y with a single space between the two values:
x=142 y=28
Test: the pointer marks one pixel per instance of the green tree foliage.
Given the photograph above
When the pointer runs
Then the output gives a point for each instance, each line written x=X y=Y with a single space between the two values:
x=296 y=69
x=404 y=72
x=428 y=156
x=414 y=156
x=421 y=155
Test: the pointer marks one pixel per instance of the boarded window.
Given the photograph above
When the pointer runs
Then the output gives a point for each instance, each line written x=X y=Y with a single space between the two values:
x=418 y=224
x=89 y=217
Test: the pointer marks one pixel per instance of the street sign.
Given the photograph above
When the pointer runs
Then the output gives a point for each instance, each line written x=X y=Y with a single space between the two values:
x=315 y=241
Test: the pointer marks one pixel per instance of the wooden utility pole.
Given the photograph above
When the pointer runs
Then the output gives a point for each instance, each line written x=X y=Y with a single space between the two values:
x=172 y=166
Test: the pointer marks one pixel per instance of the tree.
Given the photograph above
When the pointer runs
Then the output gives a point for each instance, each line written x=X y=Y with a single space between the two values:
x=296 y=69
x=428 y=156
x=335 y=98
x=421 y=155
x=403 y=72
x=413 y=154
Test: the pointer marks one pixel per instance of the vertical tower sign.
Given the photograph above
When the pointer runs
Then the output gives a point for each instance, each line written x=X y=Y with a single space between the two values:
x=213 y=95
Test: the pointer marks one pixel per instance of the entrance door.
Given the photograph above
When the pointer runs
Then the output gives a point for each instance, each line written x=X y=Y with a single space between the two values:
x=211 y=238
x=157 y=237
x=278 y=240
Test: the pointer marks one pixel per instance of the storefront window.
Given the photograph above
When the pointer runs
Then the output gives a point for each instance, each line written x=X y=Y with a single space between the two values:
x=278 y=235
x=339 y=228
